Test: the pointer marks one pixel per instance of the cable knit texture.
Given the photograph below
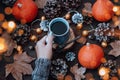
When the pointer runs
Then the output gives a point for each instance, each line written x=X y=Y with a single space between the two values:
x=42 y=68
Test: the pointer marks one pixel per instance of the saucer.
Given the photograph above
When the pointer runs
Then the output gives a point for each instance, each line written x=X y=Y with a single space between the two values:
x=71 y=37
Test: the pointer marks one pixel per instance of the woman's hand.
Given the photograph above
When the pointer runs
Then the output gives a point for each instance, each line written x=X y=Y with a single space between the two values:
x=44 y=47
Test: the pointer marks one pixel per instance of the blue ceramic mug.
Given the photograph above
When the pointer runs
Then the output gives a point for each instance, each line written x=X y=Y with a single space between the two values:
x=60 y=29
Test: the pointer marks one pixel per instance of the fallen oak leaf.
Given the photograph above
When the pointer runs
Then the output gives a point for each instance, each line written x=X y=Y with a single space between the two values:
x=19 y=66
x=78 y=72
x=68 y=77
x=40 y=3
x=9 y=68
x=60 y=77
x=23 y=57
x=89 y=76
x=11 y=44
x=116 y=48
x=82 y=40
x=87 y=10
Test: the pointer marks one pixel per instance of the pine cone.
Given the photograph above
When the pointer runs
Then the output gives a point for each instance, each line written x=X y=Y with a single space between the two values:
x=70 y=4
x=21 y=34
x=52 y=9
x=112 y=65
x=8 y=2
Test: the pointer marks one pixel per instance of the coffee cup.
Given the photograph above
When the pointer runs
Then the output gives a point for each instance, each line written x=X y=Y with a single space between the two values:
x=59 y=27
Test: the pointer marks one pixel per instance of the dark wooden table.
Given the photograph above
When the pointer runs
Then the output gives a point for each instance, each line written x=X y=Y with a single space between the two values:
x=75 y=48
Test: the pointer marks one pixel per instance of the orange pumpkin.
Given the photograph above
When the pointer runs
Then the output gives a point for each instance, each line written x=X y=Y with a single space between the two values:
x=90 y=56
x=102 y=10
x=25 y=10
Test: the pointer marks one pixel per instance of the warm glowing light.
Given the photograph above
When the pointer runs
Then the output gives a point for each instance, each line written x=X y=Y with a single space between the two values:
x=33 y=38
x=115 y=8
x=43 y=18
x=79 y=26
x=115 y=0
x=5 y=25
x=85 y=33
x=103 y=71
x=2 y=17
x=103 y=60
x=38 y=30
x=67 y=16
x=20 y=32
x=8 y=10
x=3 y=46
x=11 y=26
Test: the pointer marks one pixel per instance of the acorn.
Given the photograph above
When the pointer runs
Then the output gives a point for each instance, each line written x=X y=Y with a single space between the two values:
x=19 y=49
x=67 y=16
x=85 y=33
x=79 y=26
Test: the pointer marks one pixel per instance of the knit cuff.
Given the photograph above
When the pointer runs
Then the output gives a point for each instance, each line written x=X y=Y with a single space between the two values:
x=42 y=68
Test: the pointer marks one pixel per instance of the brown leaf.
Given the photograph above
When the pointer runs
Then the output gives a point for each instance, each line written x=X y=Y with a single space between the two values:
x=23 y=57
x=17 y=76
x=78 y=72
x=116 y=48
x=87 y=10
x=19 y=66
x=60 y=77
x=68 y=77
x=40 y=3
x=9 y=69
x=82 y=40
x=11 y=44
x=89 y=76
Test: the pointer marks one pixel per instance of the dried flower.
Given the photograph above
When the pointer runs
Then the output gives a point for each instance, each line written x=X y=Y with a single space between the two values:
x=77 y=18
x=78 y=72
x=44 y=25
x=70 y=56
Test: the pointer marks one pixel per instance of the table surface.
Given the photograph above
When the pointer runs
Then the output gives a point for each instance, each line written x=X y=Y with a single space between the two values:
x=75 y=48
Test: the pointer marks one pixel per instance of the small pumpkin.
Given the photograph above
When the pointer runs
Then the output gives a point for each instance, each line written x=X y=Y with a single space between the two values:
x=90 y=56
x=102 y=10
x=25 y=10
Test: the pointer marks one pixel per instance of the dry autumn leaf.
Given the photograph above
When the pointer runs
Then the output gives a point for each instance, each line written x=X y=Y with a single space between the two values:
x=19 y=66
x=68 y=77
x=11 y=44
x=89 y=76
x=87 y=10
x=78 y=72
x=116 y=48
x=82 y=40
x=40 y=3
x=23 y=57
x=60 y=77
